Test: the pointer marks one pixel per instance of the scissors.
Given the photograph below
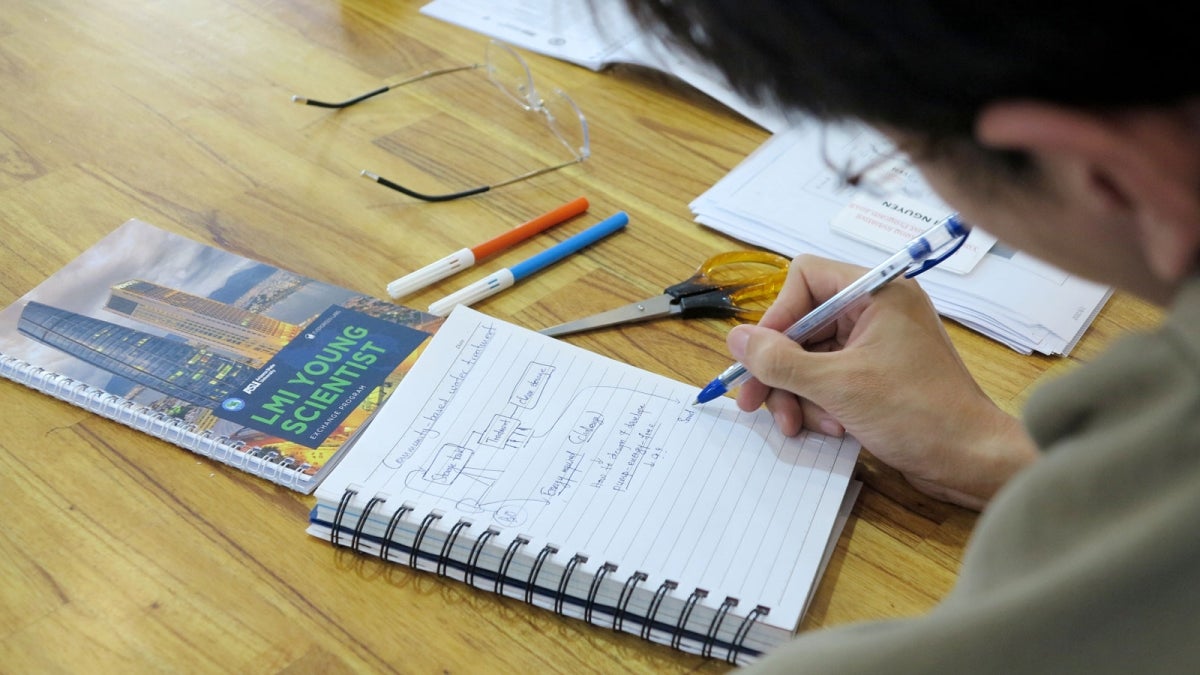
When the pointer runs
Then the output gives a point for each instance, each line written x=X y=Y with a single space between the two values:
x=737 y=284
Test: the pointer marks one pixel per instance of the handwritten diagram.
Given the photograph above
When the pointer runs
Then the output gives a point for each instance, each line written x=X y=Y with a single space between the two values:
x=508 y=437
x=580 y=462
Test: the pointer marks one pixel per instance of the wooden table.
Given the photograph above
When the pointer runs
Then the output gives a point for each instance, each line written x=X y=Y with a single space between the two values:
x=121 y=552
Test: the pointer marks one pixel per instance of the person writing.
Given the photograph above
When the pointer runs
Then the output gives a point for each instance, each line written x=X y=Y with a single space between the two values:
x=1072 y=132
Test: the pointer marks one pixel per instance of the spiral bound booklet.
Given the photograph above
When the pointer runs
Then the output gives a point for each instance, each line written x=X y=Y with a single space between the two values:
x=257 y=367
x=532 y=468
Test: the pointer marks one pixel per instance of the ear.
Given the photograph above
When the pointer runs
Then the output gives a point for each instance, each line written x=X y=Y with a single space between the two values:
x=1141 y=166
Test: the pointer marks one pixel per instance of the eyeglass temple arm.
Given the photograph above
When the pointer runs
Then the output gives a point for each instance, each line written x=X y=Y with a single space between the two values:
x=465 y=193
x=340 y=104
x=387 y=87
x=419 y=195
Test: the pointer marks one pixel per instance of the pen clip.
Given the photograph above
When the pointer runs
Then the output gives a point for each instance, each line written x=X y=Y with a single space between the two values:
x=930 y=263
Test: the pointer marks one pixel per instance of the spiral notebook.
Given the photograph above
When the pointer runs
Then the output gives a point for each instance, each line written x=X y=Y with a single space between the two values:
x=257 y=367
x=526 y=466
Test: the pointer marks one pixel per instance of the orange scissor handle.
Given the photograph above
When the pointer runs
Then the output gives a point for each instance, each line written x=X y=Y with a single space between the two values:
x=749 y=302
x=739 y=284
x=729 y=271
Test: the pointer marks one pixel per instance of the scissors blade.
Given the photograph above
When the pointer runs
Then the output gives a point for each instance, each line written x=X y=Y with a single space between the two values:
x=651 y=308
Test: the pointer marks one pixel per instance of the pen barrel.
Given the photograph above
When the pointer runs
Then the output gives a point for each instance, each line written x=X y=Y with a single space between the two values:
x=732 y=377
x=431 y=273
x=936 y=239
x=567 y=247
x=913 y=254
x=485 y=287
x=827 y=312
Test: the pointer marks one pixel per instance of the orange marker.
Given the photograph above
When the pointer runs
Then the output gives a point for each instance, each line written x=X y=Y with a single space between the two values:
x=464 y=258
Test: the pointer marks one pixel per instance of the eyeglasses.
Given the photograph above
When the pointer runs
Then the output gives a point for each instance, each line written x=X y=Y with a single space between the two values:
x=869 y=164
x=511 y=75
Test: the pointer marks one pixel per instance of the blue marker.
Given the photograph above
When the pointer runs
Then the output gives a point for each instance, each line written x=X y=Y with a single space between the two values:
x=502 y=279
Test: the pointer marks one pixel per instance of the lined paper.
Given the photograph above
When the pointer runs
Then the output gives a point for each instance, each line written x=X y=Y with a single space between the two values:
x=536 y=437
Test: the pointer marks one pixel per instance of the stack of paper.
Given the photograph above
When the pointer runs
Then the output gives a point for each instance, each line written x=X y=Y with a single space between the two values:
x=784 y=198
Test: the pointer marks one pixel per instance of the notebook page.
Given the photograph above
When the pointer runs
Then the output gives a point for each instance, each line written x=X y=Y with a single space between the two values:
x=537 y=437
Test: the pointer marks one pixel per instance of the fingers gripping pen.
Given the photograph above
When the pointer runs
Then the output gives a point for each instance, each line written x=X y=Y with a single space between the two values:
x=916 y=257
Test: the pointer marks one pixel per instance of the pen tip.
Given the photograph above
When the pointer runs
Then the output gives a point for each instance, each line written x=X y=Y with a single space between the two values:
x=712 y=390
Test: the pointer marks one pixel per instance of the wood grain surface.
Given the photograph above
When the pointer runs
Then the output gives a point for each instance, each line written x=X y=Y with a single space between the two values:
x=122 y=553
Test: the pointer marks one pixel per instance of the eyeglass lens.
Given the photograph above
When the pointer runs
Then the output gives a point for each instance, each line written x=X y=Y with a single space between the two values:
x=510 y=73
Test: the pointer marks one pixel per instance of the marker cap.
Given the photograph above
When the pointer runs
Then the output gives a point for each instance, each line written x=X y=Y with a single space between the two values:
x=485 y=287
x=431 y=273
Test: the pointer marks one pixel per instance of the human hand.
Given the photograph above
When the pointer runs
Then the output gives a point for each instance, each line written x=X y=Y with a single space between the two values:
x=887 y=373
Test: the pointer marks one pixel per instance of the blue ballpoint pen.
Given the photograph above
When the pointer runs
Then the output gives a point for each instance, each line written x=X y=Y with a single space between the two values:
x=505 y=277
x=914 y=259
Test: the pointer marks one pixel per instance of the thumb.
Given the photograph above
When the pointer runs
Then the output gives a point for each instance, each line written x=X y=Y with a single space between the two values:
x=773 y=359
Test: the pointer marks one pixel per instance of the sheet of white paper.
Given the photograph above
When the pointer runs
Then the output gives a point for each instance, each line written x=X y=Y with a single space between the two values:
x=783 y=197
x=536 y=437
x=593 y=35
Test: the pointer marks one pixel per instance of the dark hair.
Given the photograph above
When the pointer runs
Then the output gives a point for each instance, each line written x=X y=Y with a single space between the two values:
x=929 y=66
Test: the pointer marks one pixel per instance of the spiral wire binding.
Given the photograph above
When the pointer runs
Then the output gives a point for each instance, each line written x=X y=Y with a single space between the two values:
x=714 y=627
x=122 y=407
x=621 y=610
x=448 y=546
x=685 y=614
x=335 y=531
x=473 y=557
x=421 y=531
x=743 y=630
x=154 y=423
x=626 y=594
x=241 y=459
x=389 y=534
x=506 y=560
x=546 y=552
x=656 y=602
x=362 y=521
x=575 y=561
x=597 y=579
